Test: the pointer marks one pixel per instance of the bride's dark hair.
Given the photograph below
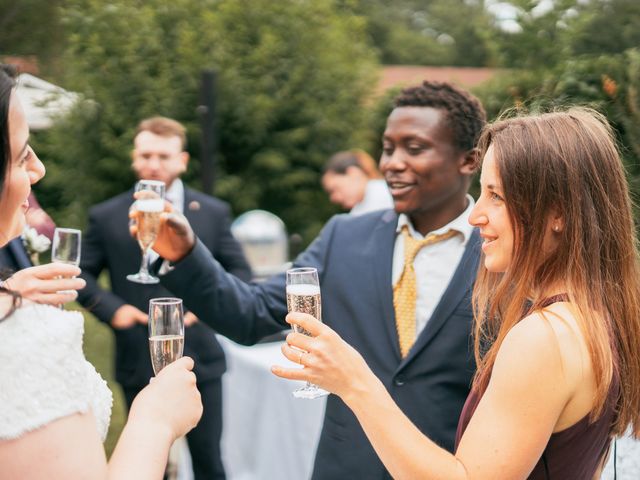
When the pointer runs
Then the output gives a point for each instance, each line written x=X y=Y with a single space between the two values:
x=7 y=83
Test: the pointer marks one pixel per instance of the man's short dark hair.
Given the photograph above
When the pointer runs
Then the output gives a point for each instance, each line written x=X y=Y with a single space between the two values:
x=465 y=115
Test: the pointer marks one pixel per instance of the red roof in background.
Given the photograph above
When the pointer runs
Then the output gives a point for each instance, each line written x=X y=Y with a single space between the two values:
x=28 y=64
x=407 y=75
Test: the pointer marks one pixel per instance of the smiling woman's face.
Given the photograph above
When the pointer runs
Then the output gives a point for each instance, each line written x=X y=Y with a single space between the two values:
x=490 y=215
x=23 y=169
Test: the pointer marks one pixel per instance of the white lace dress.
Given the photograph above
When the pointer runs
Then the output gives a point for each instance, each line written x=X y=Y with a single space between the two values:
x=44 y=375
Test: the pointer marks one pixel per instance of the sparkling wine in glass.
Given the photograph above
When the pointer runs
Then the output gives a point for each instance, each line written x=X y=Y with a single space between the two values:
x=65 y=248
x=149 y=206
x=166 y=331
x=303 y=295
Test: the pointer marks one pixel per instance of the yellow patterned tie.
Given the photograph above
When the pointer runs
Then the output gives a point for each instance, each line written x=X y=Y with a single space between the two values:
x=404 y=292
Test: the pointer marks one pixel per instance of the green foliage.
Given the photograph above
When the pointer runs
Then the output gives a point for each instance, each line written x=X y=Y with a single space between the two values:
x=292 y=77
x=608 y=83
x=606 y=26
x=564 y=29
x=20 y=16
x=427 y=33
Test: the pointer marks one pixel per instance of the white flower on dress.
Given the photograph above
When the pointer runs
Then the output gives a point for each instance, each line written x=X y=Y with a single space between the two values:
x=35 y=244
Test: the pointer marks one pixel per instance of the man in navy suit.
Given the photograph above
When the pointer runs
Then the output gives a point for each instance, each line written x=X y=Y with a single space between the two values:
x=159 y=154
x=428 y=159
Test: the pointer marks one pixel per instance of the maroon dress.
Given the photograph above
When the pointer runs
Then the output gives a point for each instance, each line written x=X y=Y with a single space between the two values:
x=575 y=453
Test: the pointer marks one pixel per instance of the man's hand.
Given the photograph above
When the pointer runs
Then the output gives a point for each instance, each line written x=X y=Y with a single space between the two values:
x=175 y=238
x=127 y=316
x=189 y=319
x=53 y=283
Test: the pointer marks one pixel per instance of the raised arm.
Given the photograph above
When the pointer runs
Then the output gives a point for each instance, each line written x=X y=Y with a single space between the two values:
x=243 y=312
x=525 y=402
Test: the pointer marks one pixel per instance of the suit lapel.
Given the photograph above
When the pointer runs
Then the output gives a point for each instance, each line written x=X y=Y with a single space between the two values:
x=460 y=284
x=19 y=253
x=379 y=248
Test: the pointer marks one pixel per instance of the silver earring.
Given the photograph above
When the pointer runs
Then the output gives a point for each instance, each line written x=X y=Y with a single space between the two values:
x=556 y=228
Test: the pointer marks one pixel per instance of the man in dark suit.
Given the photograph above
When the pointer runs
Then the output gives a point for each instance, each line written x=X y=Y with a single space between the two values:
x=159 y=154
x=428 y=159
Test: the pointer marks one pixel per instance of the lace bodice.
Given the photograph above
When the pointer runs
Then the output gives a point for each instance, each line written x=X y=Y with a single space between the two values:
x=44 y=375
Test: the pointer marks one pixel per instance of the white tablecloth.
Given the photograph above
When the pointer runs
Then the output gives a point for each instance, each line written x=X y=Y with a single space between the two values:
x=267 y=433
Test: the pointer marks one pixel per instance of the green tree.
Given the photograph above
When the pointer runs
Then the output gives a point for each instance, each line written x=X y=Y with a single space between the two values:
x=31 y=27
x=428 y=33
x=293 y=78
x=605 y=26
x=608 y=83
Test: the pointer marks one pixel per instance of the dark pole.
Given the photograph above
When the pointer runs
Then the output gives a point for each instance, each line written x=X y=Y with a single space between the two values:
x=209 y=142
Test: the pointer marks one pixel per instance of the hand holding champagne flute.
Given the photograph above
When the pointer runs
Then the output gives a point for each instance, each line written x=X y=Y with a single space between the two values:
x=303 y=295
x=65 y=248
x=149 y=206
x=166 y=331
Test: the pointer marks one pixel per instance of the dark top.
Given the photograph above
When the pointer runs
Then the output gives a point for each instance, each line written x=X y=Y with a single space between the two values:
x=575 y=453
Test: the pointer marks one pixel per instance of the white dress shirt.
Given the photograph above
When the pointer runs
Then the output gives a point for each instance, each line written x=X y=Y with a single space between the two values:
x=175 y=195
x=376 y=197
x=434 y=264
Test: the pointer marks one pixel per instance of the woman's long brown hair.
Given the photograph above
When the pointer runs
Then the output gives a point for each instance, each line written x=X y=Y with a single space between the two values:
x=567 y=163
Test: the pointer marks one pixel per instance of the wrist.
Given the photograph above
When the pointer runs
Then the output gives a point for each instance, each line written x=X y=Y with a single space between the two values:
x=146 y=428
x=362 y=389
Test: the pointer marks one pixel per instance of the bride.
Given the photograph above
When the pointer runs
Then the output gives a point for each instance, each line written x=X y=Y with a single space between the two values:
x=54 y=406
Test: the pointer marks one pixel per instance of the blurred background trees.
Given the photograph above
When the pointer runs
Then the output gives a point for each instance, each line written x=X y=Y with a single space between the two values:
x=297 y=81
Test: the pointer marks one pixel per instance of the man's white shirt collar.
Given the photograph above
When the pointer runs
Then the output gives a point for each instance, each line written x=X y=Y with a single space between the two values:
x=460 y=223
x=175 y=195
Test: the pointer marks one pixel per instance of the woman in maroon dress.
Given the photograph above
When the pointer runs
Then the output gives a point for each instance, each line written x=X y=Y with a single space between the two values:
x=557 y=299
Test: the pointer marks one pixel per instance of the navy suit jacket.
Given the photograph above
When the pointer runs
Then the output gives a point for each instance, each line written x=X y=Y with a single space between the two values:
x=13 y=257
x=107 y=244
x=353 y=256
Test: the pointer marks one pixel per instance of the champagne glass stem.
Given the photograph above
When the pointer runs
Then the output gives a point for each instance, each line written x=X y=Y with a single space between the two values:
x=144 y=266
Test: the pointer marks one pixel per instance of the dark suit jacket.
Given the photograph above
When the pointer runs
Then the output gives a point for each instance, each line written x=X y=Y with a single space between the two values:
x=353 y=256
x=13 y=257
x=108 y=244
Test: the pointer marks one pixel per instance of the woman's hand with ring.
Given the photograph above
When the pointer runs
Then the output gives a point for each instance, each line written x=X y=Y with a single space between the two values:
x=329 y=361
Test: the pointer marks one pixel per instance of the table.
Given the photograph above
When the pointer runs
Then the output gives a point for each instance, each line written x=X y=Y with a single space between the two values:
x=267 y=433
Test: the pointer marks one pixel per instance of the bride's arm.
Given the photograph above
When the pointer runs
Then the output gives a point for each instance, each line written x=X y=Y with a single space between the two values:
x=70 y=447
x=166 y=409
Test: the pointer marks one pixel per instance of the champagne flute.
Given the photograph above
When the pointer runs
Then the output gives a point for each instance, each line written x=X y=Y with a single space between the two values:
x=166 y=343
x=149 y=206
x=65 y=248
x=166 y=331
x=303 y=295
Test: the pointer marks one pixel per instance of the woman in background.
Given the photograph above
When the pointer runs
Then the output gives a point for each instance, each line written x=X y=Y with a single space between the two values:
x=557 y=304
x=353 y=181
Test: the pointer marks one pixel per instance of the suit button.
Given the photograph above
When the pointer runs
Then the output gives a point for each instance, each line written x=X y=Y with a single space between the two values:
x=399 y=381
